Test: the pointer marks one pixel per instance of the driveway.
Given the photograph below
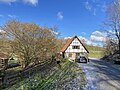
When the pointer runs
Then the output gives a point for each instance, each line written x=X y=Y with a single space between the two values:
x=101 y=75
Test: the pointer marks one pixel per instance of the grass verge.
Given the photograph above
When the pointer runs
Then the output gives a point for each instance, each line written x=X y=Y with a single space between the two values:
x=67 y=75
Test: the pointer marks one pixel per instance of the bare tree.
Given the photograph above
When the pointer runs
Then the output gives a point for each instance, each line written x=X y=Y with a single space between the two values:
x=110 y=47
x=112 y=23
x=4 y=44
x=30 y=42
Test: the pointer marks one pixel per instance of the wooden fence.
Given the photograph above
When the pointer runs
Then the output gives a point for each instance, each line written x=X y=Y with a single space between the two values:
x=10 y=79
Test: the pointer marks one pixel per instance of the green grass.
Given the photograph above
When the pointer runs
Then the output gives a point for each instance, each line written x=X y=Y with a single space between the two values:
x=66 y=72
x=95 y=54
x=54 y=79
x=95 y=51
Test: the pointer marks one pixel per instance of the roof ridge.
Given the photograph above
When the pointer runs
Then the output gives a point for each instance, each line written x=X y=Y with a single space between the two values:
x=69 y=42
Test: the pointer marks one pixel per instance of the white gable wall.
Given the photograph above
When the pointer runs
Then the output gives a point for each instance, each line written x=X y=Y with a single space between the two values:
x=75 y=42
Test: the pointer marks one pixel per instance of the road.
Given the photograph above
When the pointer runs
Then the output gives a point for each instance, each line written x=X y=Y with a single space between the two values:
x=101 y=75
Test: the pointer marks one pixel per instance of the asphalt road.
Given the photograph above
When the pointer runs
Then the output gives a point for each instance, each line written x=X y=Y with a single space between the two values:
x=101 y=75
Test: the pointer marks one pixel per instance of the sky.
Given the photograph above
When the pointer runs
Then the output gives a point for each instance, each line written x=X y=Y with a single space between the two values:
x=72 y=17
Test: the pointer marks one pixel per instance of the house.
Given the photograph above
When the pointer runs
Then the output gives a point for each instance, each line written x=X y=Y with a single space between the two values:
x=74 y=48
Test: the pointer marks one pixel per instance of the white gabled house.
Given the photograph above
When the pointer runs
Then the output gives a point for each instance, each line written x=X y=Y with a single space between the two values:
x=74 y=48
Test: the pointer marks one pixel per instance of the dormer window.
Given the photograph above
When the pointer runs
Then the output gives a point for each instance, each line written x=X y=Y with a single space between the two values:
x=75 y=47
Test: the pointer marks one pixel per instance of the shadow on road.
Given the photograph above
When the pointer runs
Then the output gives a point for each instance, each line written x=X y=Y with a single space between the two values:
x=107 y=73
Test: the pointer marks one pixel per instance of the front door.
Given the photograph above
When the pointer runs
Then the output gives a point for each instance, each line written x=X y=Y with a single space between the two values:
x=77 y=55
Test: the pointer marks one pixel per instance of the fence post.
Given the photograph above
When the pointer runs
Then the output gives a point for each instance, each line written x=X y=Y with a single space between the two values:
x=1 y=79
x=1 y=83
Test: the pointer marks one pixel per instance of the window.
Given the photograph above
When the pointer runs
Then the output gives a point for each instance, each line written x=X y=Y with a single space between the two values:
x=75 y=47
x=70 y=54
x=77 y=54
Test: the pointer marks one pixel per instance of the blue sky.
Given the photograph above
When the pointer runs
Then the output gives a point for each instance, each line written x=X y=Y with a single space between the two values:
x=73 y=17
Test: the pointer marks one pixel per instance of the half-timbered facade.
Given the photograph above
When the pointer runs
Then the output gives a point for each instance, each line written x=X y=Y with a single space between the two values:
x=74 y=48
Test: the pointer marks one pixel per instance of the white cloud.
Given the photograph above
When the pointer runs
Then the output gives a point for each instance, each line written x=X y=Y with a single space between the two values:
x=8 y=1
x=104 y=7
x=96 y=6
x=67 y=37
x=12 y=16
x=87 y=41
x=98 y=33
x=111 y=32
x=98 y=36
x=83 y=33
x=88 y=6
x=82 y=38
x=32 y=2
x=60 y=15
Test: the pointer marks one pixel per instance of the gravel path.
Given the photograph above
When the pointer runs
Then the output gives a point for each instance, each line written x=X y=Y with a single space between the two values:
x=101 y=75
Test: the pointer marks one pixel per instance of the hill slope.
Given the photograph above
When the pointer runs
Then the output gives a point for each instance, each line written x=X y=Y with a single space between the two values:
x=95 y=51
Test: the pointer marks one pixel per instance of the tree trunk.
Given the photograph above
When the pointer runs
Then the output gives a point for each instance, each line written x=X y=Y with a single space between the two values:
x=119 y=45
x=119 y=48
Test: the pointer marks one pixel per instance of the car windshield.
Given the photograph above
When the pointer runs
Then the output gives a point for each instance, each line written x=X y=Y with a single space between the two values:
x=82 y=57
